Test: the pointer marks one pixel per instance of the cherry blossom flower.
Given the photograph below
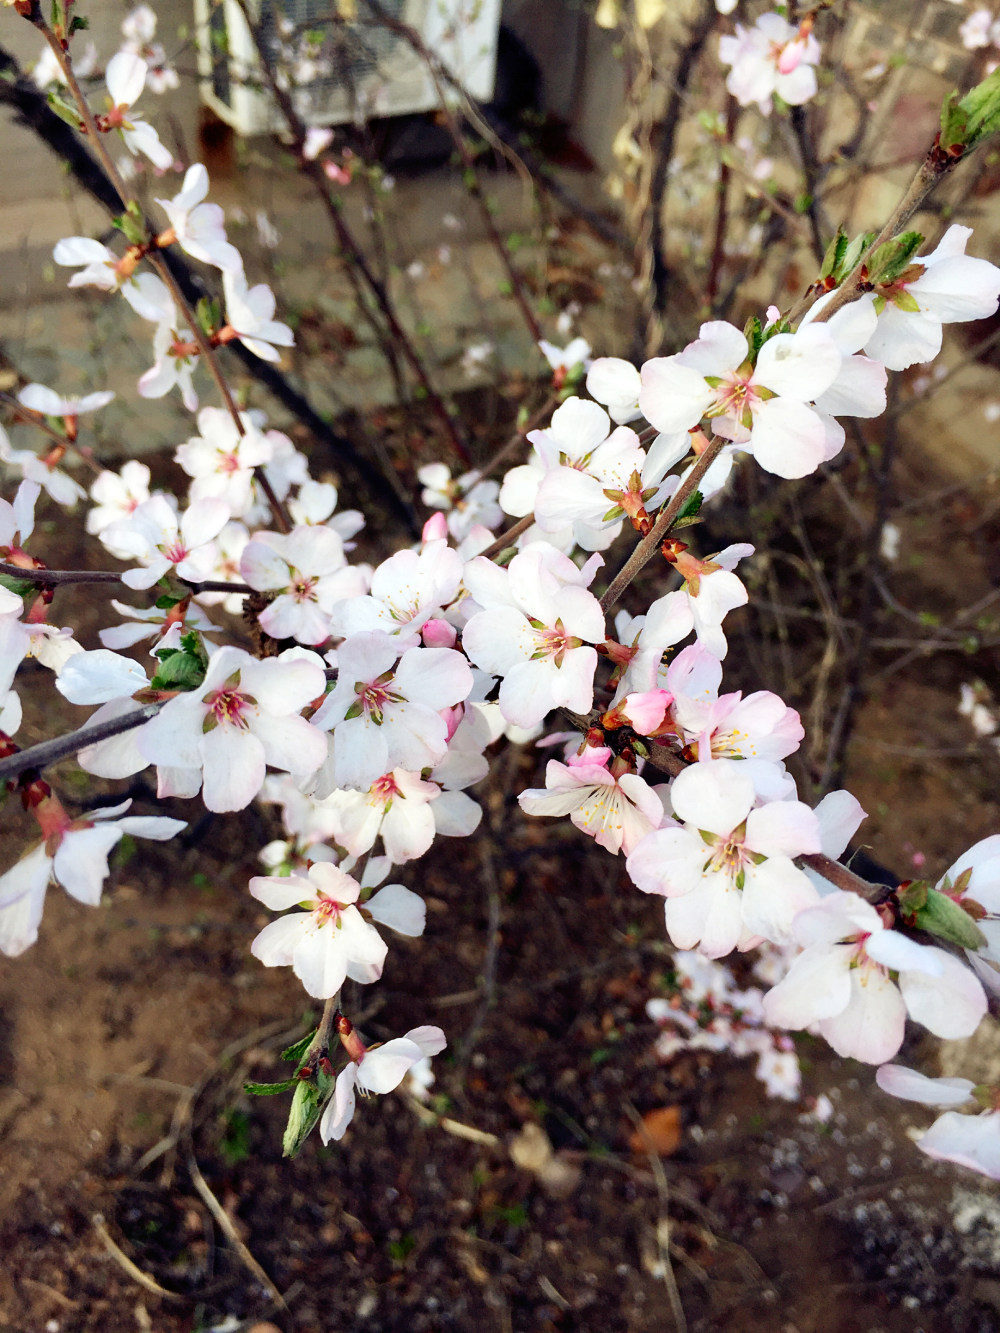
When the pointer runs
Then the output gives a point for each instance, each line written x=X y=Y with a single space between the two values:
x=468 y=500
x=307 y=570
x=712 y=591
x=762 y=407
x=126 y=78
x=34 y=468
x=616 y=811
x=197 y=227
x=152 y=621
x=977 y=872
x=117 y=495
x=727 y=874
x=244 y=716
x=175 y=359
x=99 y=266
x=946 y=287
x=564 y=360
x=75 y=855
x=842 y=982
x=17 y=520
x=250 y=312
x=332 y=940
x=385 y=710
x=379 y=1069
x=407 y=590
x=221 y=459
x=772 y=57
x=138 y=31
x=407 y=812
x=51 y=404
x=535 y=630
x=761 y=726
x=153 y=536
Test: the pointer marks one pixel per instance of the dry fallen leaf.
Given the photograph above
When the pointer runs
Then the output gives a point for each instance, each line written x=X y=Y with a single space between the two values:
x=660 y=1133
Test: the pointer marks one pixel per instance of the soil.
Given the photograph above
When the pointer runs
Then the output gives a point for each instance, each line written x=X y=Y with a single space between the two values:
x=128 y=1032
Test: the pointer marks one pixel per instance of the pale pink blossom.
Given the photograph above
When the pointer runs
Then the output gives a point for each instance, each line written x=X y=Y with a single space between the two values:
x=244 y=716
x=407 y=590
x=126 y=77
x=615 y=383
x=771 y=58
x=221 y=460
x=727 y=874
x=307 y=571
x=535 y=630
x=967 y=1140
x=250 y=311
x=117 y=495
x=380 y=1069
x=617 y=812
x=842 y=982
x=153 y=535
x=199 y=228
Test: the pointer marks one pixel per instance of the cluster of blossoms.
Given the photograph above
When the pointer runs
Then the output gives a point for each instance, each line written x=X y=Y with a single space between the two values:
x=379 y=690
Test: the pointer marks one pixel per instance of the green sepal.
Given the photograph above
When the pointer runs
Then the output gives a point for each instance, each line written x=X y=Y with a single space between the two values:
x=894 y=256
x=208 y=315
x=943 y=917
x=954 y=123
x=270 y=1089
x=906 y=301
x=78 y=24
x=168 y=601
x=307 y=1106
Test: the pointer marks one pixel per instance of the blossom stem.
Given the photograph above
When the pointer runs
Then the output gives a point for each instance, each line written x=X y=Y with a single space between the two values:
x=647 y=548
x=156 y=260
x=37 y=419
x=320 y=1043
x=50 y=752
x=53 y=578
x=509 y=537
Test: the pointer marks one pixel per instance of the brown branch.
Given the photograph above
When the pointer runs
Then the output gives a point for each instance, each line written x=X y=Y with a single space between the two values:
x=509 y=537
x=54 y=578
x=647 y=548
x=50 y=752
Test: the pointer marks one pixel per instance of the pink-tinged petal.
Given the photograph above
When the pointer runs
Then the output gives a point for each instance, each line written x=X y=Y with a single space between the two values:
x=456 y=815
x=896 y=951
x=142 y=138
x=817 y=986
x=319 y=961
x=972 y=1141
x=904 y=338
x=27 y=877
x=360 y=753
x=798 y=86
x=716 y=796
x=73 y=251
x=407 y=830
x=858 y=391
x=339 y=1110
x=950 y=1005
x=872 y=1026
x=21 y=917
x=155 y=827
x=203 y=520
x=126 y=78
x=911 y=1086
x=99 y=676
x=173 y=736
x=384 y=1068
x=399 y=908
x=279 y=892
x=435 y=677
x=670 y=861
x=335 y=883
x=673 y=397
x=80 y=864
x=290 y=743
x=788 y=438
x=719 y=347
x=263 y=568
x=783 y=828
x=958 y=288
x=41 y=399
x=276 y=944
x=774 y=893
x=578 y=427
x=710 y=920
x=285 y=684
x=799 y=366
x=431 y=1040
x=234 y=768
x=840 y=816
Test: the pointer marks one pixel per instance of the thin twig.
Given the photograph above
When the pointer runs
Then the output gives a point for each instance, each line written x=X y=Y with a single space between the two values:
x=54 y=578
x=508 y=538
x=124 y=1262
x=663 y=1223
x=226 y=1224
x=50 y=752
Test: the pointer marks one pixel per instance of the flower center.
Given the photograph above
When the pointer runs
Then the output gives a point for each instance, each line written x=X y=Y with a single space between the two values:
x=552 y=641
x=227 y=707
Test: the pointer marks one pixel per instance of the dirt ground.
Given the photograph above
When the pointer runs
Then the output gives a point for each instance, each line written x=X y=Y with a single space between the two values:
x=140 y=1188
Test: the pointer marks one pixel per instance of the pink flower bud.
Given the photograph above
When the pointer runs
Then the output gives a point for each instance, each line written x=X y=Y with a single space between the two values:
x=439 y=634
x=435 y=529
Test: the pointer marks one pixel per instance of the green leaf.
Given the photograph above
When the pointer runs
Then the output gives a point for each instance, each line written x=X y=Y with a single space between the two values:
x=947 y=919
x=64 y=111
x=178 y=671
x=78 y=24
x=296 y=1052
x=167 y=602
x=132 y=224
x=981 y=108
x=305 y=1111
x=270 y=1089
x=834 y=256
x=690 y=509
x=890 y=259
x=20 y=587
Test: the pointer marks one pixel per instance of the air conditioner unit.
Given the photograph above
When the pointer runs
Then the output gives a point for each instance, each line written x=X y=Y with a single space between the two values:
x=338 y=71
